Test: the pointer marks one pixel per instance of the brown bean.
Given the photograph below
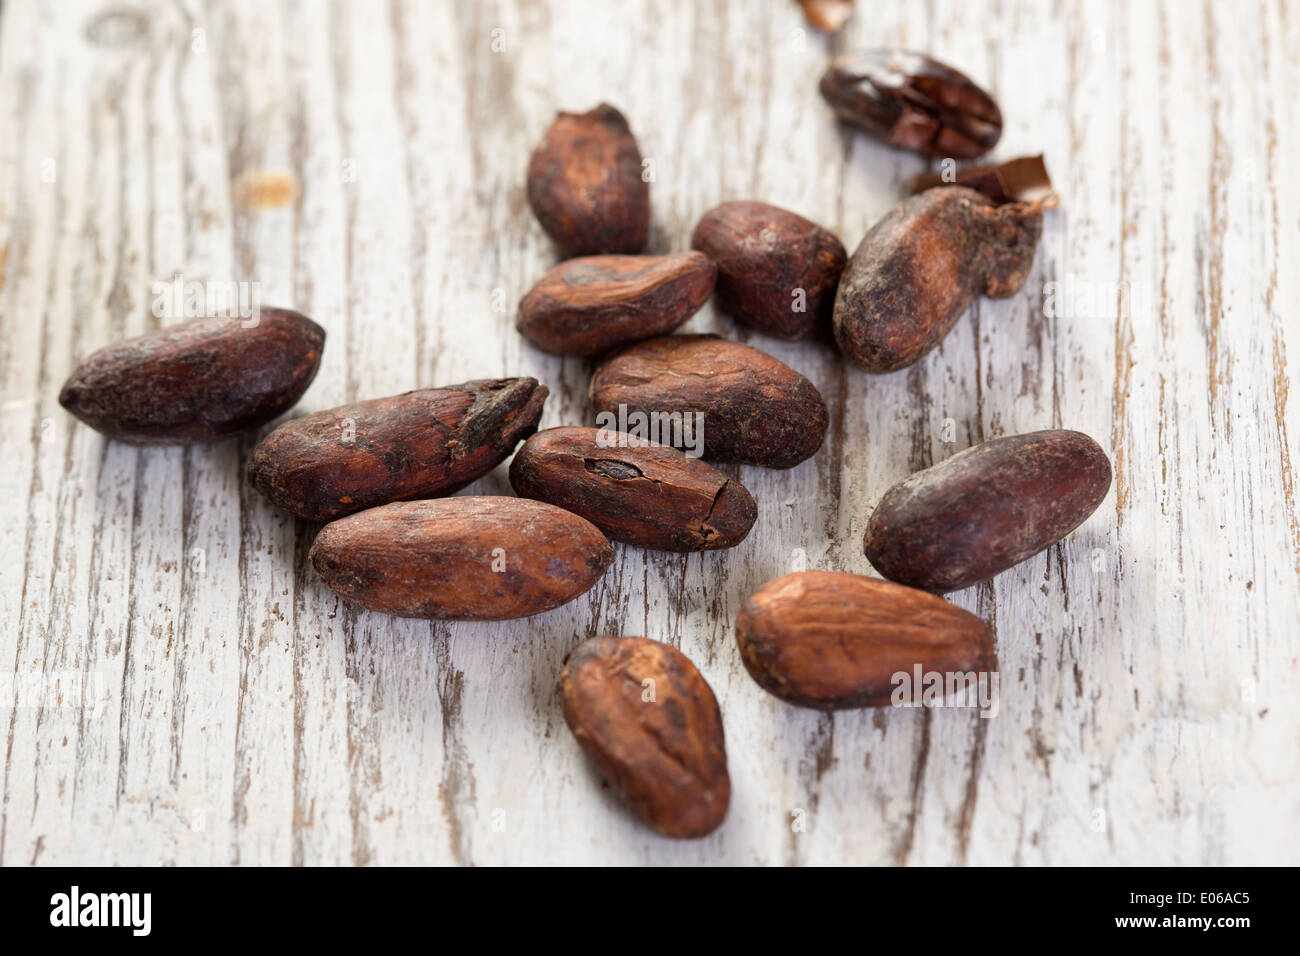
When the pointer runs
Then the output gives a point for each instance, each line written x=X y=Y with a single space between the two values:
x=197 y=381
x=585 y=184
x=647 y=718
x=754 y=409
x=590 y=305
x=920 y=267
x=986 y=509
x=777 y=271
x=830 y=640
x=914 y=102
x=634 y=490
x=461 y=559
x=422 y=444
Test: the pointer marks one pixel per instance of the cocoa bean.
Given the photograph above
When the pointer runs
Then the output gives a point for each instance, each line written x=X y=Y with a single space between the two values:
x=461 y=559
x=647 y=718
x=777 y=271
x=914 y=102
x=585 y=184
x=422 y=444
x=754 y=409
x=986 y=509
x=197 y=381
x=633 y=490
x=590 y=305
x=831 y=640
x=921 y=266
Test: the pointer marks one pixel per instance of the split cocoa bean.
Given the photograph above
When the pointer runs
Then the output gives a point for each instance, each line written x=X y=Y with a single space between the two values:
x=919 y=268
x=777 y=271
x=585 y=184
x=591 y=305
x=649 y=721
x=197 y=381
x=461 y=559
x=634 y=490
x=751 y=408
x=986 y=509
x=914 y=102
x=831 y=640
x=422 y=444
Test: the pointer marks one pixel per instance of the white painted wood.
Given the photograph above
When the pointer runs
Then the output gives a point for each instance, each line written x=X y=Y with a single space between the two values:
x=232 y=711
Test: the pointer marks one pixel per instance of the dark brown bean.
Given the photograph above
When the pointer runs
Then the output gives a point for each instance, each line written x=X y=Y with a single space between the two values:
x=461 y=559
x=831 y=640
x=777 y=271
x=197 y=381
x=1014 y=180
x=590 y=305
x=920 y=267
x=585 y=184
x=634 y=490
x=422 y=444
x=986 y=509
x=914 y=102
x=647 y=718
x=754 y=409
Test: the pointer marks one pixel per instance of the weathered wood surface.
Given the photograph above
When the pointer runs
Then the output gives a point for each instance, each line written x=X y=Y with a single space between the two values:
x=231 y=710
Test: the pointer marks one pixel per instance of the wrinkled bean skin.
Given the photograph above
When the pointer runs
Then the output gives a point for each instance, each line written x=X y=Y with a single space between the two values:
x=756 y=410
x=474 y=558
x=585 y=184
x=593 y=304
x=197 y=381
x=422 y=444
x=833 y=641
x=919 y=268
x=986 y=509
x=914 y=102
x=634 y=491
x=766 y=256
x=649 y=721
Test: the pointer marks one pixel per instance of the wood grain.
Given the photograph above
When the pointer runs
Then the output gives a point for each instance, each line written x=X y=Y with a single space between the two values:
x=186 y=691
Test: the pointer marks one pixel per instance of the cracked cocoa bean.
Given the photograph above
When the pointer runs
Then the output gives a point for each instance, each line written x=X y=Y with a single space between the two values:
x=921 y=266
x=914 y=102
x=591 y=305
x=197 y=381
x=461 y=559
x=649 y=721
x=777 y=271
x=422 y=444
x=585 y=184
x=831 y=640
x=633 y=490
x=986 y=509
x=750 y=407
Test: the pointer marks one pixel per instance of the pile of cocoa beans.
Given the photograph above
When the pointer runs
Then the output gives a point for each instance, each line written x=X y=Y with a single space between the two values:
x=380 y=473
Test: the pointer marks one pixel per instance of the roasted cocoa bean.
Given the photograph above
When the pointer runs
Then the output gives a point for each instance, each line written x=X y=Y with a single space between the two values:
x=921 y=266
x=590 y=305
x=831 y=640
x=585 y=184
x=634 y=490
x=422 y=444
x=986 y=508
x=914 y=102
x=461 y=559
x=777 y=271
x=750 y=407
x=197 y=381
x=647 y=718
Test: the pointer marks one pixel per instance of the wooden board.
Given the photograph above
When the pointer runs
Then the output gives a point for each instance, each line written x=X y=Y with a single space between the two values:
x=185 y=691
